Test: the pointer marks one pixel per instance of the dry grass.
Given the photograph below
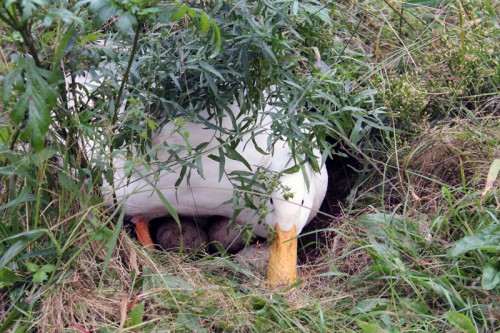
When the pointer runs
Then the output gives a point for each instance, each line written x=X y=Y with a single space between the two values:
x=216 y=291
x=451 y=155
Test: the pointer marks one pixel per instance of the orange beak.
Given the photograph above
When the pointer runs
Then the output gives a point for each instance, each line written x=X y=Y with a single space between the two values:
x=283 y=259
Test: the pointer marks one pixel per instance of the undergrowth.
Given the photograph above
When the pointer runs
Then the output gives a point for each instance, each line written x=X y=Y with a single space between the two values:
x=408 y=90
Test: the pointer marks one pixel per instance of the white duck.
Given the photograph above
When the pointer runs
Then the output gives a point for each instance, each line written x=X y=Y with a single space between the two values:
x=141 y=191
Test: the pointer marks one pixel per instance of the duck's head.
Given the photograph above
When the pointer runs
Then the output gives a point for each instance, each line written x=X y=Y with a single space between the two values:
x=299 y=206
x=289 y=217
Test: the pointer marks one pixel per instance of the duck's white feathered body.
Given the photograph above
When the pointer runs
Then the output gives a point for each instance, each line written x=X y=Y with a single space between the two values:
x=145 y=190
x=208 y=194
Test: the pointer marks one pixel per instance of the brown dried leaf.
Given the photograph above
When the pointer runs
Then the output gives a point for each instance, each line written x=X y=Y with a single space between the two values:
x=492 y=176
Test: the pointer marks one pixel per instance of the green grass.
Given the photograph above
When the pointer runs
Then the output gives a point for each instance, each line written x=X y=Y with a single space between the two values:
x=413 y=248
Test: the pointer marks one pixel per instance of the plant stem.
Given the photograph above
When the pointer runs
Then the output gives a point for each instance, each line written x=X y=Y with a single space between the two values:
x=24 y=30
x=118 y=100
x=127 y=71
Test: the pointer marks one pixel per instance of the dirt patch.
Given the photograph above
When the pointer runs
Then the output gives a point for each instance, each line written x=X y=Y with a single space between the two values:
x=445 y=157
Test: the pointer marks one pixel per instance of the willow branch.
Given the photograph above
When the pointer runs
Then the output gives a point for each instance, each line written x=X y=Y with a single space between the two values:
x=126 y=74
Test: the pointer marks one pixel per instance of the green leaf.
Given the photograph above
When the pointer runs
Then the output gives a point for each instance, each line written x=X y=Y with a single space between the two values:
x=268 y=53
x=66 y=16
x=370 y=327
x=209 y=68
x=40 y=272
x=12 y=252
x=30 y=235
x=292 y=170
x=491 y=274
x=168 y=205
x=181 y=176
x=136 y=314
x=37 y=124
x=204 y=24
x=126 y=23
x=37 y=100
x=368 y=305
x=68 y=183
x=40 y=276
x=128 y=167
x=32 y=267
x=51 y=251
x=415 y=306
x=19 y=109
x=380 y=224
x=356 y=132
x=222 y=162
x=321 y=12
x=460 y=321
x=234 y=155
x=30 y=6
x=48 y=268
x=111 y=245
x=165 y=281
x=103 y=234
x=189 y=322
x=12 y=80
x=295 y=7
x=179 y=14
x=8 y=278
x=217 y=39
x=62 y=46
x=19 y=200
x=487 y=238
x=104 y=9
x=425 y=3
x=22 y=328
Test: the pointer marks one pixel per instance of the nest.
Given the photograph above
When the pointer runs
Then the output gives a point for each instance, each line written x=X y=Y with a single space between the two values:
x=447 y=156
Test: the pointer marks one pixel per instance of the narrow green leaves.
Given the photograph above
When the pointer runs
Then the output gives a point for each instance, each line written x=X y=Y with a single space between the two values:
x=103 y=9
x=424 y=3
x=461 y=322
x=36 y=97
x=111 y=242
x=8 y=278
x=62 y=46
x=179 y=13
x=129 y=13
x=126 y=23
x=485 y=239
x=222 y=162
x=320 y=12
x=203 y=23
x=136 y=314
x=18 y=247
x=370 y=327
x=234 y=155
x=30 y=7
